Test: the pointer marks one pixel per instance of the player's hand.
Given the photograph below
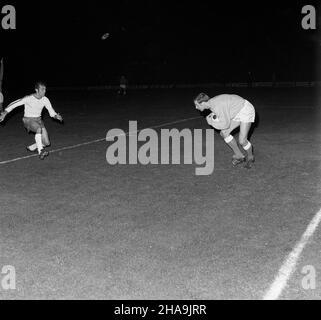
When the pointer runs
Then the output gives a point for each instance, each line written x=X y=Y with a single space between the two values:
x=3 y=115
x=59 y=117
x=210 y=118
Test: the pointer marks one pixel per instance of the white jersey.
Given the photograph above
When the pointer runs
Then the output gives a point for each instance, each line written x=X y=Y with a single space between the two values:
x=33 y=106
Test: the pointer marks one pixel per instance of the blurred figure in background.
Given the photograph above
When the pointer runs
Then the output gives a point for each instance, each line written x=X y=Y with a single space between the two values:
x=123 y=82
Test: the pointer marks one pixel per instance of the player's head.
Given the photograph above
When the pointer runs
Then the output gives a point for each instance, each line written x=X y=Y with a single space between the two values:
x=40 y=88
x=201 y=101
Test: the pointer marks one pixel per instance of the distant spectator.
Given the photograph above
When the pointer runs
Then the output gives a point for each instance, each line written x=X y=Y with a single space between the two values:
x=123 y=82
x=250 y=79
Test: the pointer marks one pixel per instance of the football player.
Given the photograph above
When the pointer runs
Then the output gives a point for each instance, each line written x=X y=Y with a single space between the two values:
x=123 y=82
x=33 y=106
x=228 y=112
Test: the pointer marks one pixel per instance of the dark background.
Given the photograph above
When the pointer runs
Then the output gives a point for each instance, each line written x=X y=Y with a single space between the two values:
x=158 y=42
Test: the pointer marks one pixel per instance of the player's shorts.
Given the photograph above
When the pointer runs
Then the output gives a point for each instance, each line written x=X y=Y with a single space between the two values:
x=33 y=124
x=247 y=113
x=122 y=86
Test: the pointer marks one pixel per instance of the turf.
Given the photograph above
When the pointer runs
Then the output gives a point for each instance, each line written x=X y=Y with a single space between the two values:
x=75 y=227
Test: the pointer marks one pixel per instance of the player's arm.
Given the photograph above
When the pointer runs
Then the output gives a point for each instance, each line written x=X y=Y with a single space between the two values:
x=219 y=119
x=211 y=119
x=53 y=114
x=58 y=117
x=10 y=107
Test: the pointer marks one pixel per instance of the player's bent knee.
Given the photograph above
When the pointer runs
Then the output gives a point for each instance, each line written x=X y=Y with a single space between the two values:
x=45 y=139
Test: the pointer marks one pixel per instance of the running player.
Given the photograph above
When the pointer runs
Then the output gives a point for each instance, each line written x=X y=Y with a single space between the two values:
x=33 y=106
x=228 y=112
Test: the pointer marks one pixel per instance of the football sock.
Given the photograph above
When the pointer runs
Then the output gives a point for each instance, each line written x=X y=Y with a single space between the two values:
x=234 y=146
x=39 y=142
x=249 y=149
x=33 y=147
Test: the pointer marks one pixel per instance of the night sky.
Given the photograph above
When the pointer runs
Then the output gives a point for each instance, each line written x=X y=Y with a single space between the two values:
x=158 y=42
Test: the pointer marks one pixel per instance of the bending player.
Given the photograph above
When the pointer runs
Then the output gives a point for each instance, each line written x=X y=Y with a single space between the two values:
x=228 y=112
x=32 y=121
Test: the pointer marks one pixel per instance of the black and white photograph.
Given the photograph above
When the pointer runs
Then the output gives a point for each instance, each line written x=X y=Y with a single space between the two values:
x=160 y=151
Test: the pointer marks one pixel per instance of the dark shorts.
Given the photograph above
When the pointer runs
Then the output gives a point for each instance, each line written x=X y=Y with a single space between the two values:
x=33 y=124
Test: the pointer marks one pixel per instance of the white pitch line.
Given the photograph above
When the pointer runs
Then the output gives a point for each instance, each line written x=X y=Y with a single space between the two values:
x=98 y=140
x=290 y=263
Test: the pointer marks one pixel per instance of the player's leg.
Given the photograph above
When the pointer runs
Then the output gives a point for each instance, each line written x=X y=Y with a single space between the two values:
x=246 y=116
x=45 y=137
x=244 y=142
x=32 y=147
x=36 y=126
x=40 y=146
x=238 y=156
x=38 y=138
x=30 y=127
x=45 y=141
